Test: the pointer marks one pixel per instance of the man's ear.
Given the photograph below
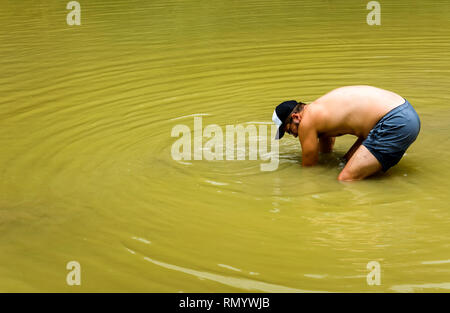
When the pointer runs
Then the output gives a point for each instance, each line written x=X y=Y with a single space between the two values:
x=296 y=117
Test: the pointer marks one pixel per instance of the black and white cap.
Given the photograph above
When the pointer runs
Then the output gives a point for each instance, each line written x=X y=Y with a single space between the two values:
x=280 y=114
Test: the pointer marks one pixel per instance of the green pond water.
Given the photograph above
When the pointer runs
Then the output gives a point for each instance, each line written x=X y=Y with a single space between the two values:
x=87 y=173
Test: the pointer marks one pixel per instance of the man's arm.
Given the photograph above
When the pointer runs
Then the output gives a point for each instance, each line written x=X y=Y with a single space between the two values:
x=326 y=144
x=310 y=145
x=352 y=150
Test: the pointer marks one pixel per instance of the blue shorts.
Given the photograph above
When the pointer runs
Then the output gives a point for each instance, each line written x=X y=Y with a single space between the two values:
x=393 y=134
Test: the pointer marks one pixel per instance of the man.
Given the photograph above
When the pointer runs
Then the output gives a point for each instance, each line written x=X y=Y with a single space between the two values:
x=385 y=124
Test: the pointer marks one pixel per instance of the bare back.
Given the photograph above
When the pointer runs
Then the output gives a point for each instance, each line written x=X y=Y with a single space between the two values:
x=351 y=110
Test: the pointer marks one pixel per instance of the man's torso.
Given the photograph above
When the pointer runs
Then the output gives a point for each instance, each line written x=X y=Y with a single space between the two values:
x=351 y=110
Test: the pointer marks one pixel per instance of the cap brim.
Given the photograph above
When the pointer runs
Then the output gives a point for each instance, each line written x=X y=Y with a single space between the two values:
x=280 y=132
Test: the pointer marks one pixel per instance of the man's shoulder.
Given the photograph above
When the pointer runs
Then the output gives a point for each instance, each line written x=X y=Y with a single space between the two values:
x=314 y=115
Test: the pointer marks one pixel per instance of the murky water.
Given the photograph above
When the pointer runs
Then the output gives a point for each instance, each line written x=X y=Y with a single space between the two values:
x=86 y=114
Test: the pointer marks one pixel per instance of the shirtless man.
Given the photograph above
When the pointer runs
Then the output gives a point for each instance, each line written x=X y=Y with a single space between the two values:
x=385 y=123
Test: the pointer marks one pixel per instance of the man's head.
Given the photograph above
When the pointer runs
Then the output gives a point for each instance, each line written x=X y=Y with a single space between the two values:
x=287 y=117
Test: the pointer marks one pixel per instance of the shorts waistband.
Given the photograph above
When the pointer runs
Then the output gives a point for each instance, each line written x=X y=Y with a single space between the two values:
x=396 y=109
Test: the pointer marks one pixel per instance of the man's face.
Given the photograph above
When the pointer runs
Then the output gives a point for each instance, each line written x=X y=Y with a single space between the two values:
x=292 y=126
